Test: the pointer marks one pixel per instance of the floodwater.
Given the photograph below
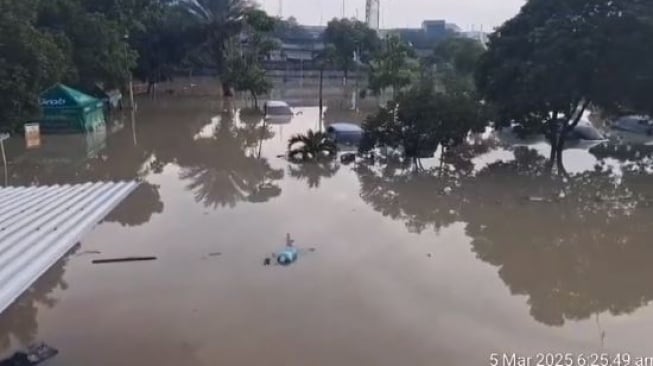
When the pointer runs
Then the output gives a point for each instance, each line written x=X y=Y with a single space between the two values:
x=487 y=255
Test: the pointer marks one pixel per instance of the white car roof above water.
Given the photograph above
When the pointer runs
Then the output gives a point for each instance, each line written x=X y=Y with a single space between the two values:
x=276 y=103
x=345 y=127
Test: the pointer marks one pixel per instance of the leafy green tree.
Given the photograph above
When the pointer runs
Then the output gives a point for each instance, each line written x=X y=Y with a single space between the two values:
x=222 y=21
x=458 y=54
x=312 y=146
x=166 y=41
x=353 y=41
x=392 y=67
x=244 y=69
x=548 y=64
x=96 y=44
x=30 y=61
x=454 y=61
x=421 y=120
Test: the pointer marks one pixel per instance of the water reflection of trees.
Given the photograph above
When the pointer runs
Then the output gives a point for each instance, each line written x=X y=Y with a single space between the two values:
x=120 y=159
x=574 y=247
x=19 y=321
x=138 y=209
x=314 y=172
x=226 y=168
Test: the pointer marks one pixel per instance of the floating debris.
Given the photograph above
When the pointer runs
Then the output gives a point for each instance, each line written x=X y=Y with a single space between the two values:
x=88 y=252
x=216 y=254
x=287 y=256
x=537 y=199
x=123 y=260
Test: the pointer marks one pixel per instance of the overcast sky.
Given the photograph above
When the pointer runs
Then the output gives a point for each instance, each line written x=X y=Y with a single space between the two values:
x=402 y=13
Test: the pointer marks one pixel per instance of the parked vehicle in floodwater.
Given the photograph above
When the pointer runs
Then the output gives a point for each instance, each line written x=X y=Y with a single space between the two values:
x=345 y=133
x=642 y=125
x=586 y=133
x=274 y=108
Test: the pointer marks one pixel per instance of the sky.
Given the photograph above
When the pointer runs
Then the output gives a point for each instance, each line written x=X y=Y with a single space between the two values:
x=402 y=13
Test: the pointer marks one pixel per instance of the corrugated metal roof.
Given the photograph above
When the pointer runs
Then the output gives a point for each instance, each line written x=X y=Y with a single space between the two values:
x=39 y=225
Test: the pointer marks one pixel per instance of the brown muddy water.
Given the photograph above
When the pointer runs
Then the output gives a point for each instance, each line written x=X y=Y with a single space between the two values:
x=403 y=272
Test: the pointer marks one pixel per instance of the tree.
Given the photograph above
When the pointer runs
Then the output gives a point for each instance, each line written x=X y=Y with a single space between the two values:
x=96 y=45
x=353 y=41
x=458 y=54
x=547 y=65
x=454 y=61
x=392 y=67
x=422 y=120
x=222 y=21
x=167 y=38
x=30 y=61
x=244 y=69
x=312 y=145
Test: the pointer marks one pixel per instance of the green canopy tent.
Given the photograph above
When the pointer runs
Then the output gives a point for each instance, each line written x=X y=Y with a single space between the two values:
x=67 y=110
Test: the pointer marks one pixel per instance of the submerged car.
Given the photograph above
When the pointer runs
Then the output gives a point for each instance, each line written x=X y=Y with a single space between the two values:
x=275 y=108
x=344 y=133
x=642 y=125
x=584 y=131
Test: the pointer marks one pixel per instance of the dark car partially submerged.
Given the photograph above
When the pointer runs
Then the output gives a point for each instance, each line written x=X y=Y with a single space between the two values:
x=641 y=125
x=344 y=133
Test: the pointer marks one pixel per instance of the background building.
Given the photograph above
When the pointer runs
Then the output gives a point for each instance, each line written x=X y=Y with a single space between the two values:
x=373 y=14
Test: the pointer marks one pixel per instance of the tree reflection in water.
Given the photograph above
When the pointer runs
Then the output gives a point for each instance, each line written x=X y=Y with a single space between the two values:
x=119 y=159
x=138 y=209
x=584 y=250
x=226 y=167
x=314 y=171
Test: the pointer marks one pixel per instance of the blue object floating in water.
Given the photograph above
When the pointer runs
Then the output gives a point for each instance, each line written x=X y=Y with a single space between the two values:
x=287 y=256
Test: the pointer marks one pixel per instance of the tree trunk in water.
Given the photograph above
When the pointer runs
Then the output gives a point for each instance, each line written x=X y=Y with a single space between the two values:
x=553 y=140
x=560 y=146
x=226 y=90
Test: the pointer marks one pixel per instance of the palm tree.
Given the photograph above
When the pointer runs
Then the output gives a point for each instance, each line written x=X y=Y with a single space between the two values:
x=221 y=22
x=313 y=145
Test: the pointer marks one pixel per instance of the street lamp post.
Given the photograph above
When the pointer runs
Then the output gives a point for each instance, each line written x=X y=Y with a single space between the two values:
x=131 y=77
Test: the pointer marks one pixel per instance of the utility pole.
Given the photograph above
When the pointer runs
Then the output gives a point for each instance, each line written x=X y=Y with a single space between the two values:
x=281 y=9
x=344 y=9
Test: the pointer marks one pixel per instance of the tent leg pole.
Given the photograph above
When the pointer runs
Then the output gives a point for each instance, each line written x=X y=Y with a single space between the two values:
x=131 y=93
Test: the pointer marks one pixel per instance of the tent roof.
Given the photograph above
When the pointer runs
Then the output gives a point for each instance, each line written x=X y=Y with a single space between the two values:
x=61 y=96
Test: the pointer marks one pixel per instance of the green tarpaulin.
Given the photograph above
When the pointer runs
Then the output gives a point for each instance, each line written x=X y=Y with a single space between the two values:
x=68 y=110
